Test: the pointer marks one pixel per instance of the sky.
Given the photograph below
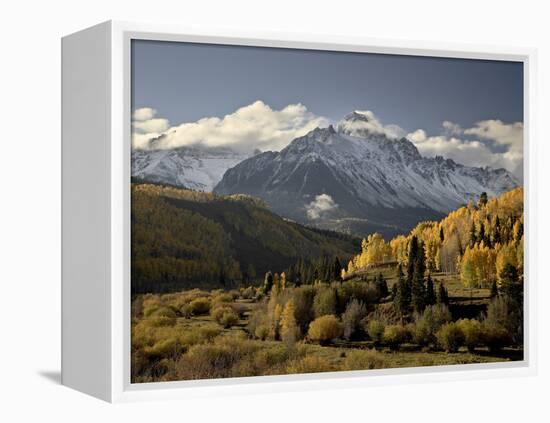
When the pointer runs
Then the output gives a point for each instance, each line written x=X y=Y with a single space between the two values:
x=468 y=110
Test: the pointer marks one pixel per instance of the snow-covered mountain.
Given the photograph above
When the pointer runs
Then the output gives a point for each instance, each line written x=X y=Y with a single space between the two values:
x=356 y=178
x=189 y=167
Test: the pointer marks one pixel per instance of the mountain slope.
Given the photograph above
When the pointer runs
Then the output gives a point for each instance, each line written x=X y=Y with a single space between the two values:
x=188 y=239
x=374 y=182
x=190 y=167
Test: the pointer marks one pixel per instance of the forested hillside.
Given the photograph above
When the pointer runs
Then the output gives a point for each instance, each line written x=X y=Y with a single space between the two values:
x=478 y=241
x=185 y=239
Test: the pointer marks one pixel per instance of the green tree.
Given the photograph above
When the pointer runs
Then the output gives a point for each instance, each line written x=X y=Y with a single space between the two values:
x=442 y=294
x=430 y=292
x=483 y=199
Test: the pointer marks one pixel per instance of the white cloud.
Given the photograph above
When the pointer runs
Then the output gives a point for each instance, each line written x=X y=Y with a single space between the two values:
x=148 y=126
x=476 y=152
x=373 y=125
x=509 y=134
x=250 y=127
x=144 y=113
x=323 y=203
x=452 y=128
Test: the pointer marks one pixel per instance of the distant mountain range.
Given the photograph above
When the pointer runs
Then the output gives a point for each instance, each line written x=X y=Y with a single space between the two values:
x=351 y=178
x=188 y=167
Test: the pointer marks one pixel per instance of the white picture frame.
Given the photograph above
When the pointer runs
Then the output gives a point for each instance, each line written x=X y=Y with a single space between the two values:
x=96 y=208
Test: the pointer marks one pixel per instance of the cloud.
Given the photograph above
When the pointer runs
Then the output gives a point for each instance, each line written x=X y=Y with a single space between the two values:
x=452 y=128
x=250 y=127
x=455 y=144
x=145 y=113
x=151 y=125
x=322 y=204
x=371 y=124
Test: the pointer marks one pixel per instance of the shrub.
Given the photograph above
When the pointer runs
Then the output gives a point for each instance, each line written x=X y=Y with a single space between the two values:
x=324 y=302
x=218 y=311
x=162 y=311
x=375 y=329
x=473 y=332
x=261 y=332
x=450 y=337
x=324 y=329
x=309 y=364
x=228 y=318
x=428 y=323
x=248 y=293
x=363 y=360
x=494 y=336
x=200 y=306
x=395 y=335
x=351 y=319
x=224 y=297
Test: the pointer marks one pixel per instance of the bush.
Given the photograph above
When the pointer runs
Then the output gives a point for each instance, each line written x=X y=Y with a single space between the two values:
x=228 y=319
x=261 y=332
x=248 y=293
x=494 y=336
x=218 y=311
x=324 y=302
x=162 y=311
x=351 y=319
x=375 y=329
x=364 y=360
x=224 y=297
x=450 y=337
x=428 y=323
x=395 y=335
x=324 y=329
x=200 y=306
x=309 y=364
x=473 y=332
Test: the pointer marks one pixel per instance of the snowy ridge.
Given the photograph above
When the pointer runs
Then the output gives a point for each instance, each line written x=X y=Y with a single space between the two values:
x=189 y=167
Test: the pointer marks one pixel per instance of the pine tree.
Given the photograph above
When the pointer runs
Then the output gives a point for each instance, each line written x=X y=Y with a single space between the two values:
x=430 y=292
x=482 y=200
x=473 y=234
x=412 y=259
x=496 y=231
x=268 y=283
x=442 y=294
x=402 y=297
x=381 y=286
x=441 y=234
x=481 y=235
x=337 y=269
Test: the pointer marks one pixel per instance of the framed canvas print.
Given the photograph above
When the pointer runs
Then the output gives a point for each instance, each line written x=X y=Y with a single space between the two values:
x=269 y=212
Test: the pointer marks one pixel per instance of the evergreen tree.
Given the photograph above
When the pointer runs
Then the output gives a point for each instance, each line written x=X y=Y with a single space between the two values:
x=337 y=269
x=441 y=234
x=442 y=294
x=473 y=235
x=418 y=289
x=381 y=286
x=430 y=292
x=482 y=200
x=412 y=259
x=481 y=236
x=496 y=231
x=402 y=297
x=268 y=283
